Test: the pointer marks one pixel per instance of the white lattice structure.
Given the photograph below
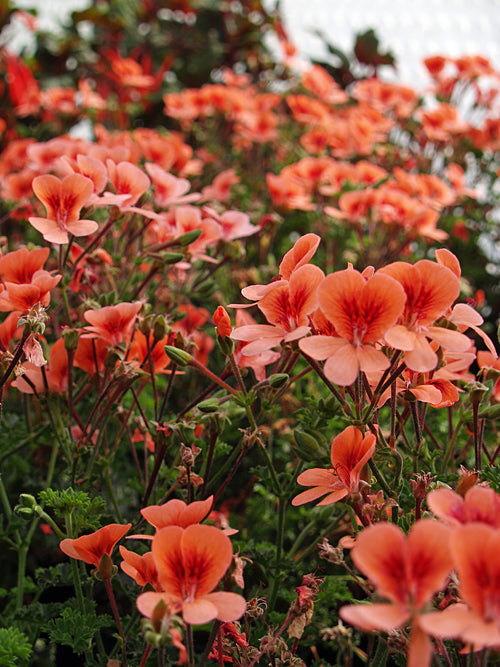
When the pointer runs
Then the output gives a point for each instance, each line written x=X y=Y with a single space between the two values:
x=410 y=29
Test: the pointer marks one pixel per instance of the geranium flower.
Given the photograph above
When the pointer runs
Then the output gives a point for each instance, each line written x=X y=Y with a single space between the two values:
x=91 y=548
x=63 y=201
x=481 y=504
x=56 y=373
x=286 y=308
x=430 y=290
x=349 y=452
x=142 y=569
x=475 y=549
x=360 y=311
x=113 y=324
x=406 y=570
x=177 y=513
x=190 y=563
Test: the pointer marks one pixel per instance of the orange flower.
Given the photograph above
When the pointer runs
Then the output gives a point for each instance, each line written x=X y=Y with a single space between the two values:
x=190 y=563
x=177 y=513
x=142 y=569
x=361 y=311
x=113 y=324
x=63 y=201
x=475 y=549
x=406 y=570
x=480 y=505
x=350 y=451
x=91 y=548
x=26 y=281
x=287 y=308
x=430 y=290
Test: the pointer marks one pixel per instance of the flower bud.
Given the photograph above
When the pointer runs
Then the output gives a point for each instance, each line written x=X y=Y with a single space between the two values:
x=180 y=357
x=106 y=568
x=189 y=237
x=172 y=257
x=278 y=380
x=222 y=322
x=70 y=337
x=26 y=513
x=27 y=500
x=306 y=446
x=209 y=405
x=159 y=328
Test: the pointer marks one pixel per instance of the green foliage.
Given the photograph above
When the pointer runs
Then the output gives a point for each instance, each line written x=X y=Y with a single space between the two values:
x=76 y=628
x=84 y=510
x=15 y=647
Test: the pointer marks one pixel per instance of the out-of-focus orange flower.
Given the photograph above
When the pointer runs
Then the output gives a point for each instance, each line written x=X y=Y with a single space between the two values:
x=481 y=504
x=91 y=548
x=63 y=201
x=406 y=570
x=349 y=452
x=25 y=280
x=475 y=549
x=114 y=324
x=24 y=93
x=190 y=564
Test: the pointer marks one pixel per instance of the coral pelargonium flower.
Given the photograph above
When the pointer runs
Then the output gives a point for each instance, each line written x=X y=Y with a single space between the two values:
x=349 y=453
x=113 y=324
x=480 y=505
x=475 y=549
x=287 y=308
x=406 y=570
x=430 y=291
x=91 y=548
x=63 y=201
x=190 y=564
x=177 y=513
x=142 y=569
x=361 y=311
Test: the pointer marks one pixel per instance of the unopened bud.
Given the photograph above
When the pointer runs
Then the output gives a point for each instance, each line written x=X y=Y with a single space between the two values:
x=306 y=446
x=27 y=500
x=106 y=568
x=159 y=328
x=70 y=337
x=209 y=405
x=26 y=513
x=278 y=380
x=189 y=237
x=172 y=257
x=180 y=357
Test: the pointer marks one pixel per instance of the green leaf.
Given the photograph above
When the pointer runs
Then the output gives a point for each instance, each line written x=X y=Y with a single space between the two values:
x=75 y=628
x=15 y=647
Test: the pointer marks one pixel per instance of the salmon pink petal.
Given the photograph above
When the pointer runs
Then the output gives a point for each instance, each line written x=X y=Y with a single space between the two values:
x=76 y=191
x=256 y=292
x=429 y=559
x=199 y=611
x=161 y=516
x=478 y=568
x=196 y=511
x=266 y=343
x=321 y=347
x=380 y=554
x=334 y=497
x=207 y=554
x=369 y=617
x=343 y=367
x=316 y=477
x=448 y=259
x=426 y=393
x=146 y=603
x=311 y=494
x=482 y=504
x=422 y=357
x=335 y=296
x=50 y=230
x=381 y=302
x=250 y=332
x=297 y=333
x=372 y=360
x=464 y=314
x=449 y=339
x=482 y=633
x=447 y=506
x=166 y=548
x=400 y=338
x=448 y=623
x=48 y=190
x=300 y=254
x=303 y=286
x=420 y=647
x=230 y=606
x=82 y=227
